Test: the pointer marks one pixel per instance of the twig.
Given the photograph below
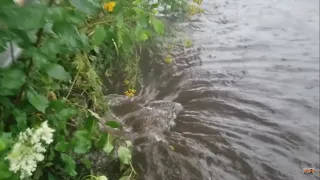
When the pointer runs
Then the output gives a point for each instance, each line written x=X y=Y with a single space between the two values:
x=106 y=22
x=74 y=81
x=11 y=51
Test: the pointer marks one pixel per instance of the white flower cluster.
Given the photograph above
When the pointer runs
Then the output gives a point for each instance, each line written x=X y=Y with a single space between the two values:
x=29 y=149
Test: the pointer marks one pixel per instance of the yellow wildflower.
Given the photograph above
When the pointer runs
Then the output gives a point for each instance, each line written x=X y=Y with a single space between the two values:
x=109 y=6
x=130 y=92
x=198 y=1
x=168 y=59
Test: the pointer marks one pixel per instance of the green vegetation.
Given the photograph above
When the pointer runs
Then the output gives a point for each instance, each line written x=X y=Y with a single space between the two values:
x=52 y=98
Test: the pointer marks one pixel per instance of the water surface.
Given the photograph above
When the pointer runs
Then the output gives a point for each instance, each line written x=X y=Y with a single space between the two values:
x=248 y=105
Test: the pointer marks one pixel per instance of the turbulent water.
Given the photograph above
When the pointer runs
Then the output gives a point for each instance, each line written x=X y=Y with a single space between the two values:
x=242 y=103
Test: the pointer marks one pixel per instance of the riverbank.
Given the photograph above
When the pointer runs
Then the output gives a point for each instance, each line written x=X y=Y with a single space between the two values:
x=52 y=97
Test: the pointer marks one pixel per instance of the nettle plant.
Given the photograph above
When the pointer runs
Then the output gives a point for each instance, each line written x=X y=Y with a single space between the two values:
x=50 y=97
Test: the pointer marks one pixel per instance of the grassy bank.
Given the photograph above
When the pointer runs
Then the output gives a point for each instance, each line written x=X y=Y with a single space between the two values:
x=52 y=98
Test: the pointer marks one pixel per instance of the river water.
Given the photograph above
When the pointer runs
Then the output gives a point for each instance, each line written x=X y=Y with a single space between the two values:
x=242 y=103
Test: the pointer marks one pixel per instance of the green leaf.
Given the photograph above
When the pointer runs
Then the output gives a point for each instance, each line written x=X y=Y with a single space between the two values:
x=101 y=178
x=35 y=14
x=38 y=173
x=124 y=155
x=86 y=161
x=21 y=118
x=102 y=141
x=91 y=124
x=56 y=71
x=125 y=178
x=6 y=103
x=113 y=124
x=62 y=146
x=66 y=114
x=70 y=164
x=153 y=6
x=40 y=102
x=7 y=138
x=157 y=25
x=119 y=21
x=4 y=171
x=85 y=6
x=51 y=154
x=12 y=78
x=108 y=147
x=51 y=177
x=140 y=33
x=2 y=145
x=81 y=141
x=98 y=36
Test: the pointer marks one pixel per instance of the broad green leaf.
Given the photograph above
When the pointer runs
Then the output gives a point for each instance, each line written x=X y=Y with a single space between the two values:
x=4 y=171
x=64 y=29
x=140 y=33
x=48 y=164
x=7 y=138
x=38 y=173
x=119 y=21
x=56 y=71
x=85 y=6
x=90 y=124
x=6 y=103
x=12 y=78
x=51 y=177
x=101 y=178
x=98 y=36
x=153 y=6
x=125 y=178
x=157 y=25
x=66 y=113
x=102 y=141
x=39 y=101
x=2 y=145
x=81 y=141
x=108 y=147
x=21 y=118
x=113 y=124
x=15 y=17
x=52 y=154
x=70 y=164
x=62 y=146
x=86 y=161
x=124 y=155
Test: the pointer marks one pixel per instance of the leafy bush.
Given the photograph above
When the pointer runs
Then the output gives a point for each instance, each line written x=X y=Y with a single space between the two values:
x=51 y=97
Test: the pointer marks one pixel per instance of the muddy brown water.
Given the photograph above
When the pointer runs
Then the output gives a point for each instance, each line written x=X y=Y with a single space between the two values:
x=245 y=106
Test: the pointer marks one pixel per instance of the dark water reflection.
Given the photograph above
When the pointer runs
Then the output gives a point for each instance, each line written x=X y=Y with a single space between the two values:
x=250 y=108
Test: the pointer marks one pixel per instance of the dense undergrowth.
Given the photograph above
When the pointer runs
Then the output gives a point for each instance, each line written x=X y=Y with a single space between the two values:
x=74 y=53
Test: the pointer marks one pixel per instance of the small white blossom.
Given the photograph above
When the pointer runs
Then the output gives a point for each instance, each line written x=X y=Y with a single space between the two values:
x=29 y=149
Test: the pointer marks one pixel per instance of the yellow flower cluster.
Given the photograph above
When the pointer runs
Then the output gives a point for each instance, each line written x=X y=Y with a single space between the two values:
x=168 y=59
x=109 y=6
x=130 y=92
x=198 y=1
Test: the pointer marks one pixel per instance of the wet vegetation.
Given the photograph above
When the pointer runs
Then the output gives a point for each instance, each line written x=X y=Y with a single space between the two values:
x=52 y=98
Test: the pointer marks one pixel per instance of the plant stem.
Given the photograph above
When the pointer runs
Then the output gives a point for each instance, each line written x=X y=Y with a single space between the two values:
x=74 y=81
